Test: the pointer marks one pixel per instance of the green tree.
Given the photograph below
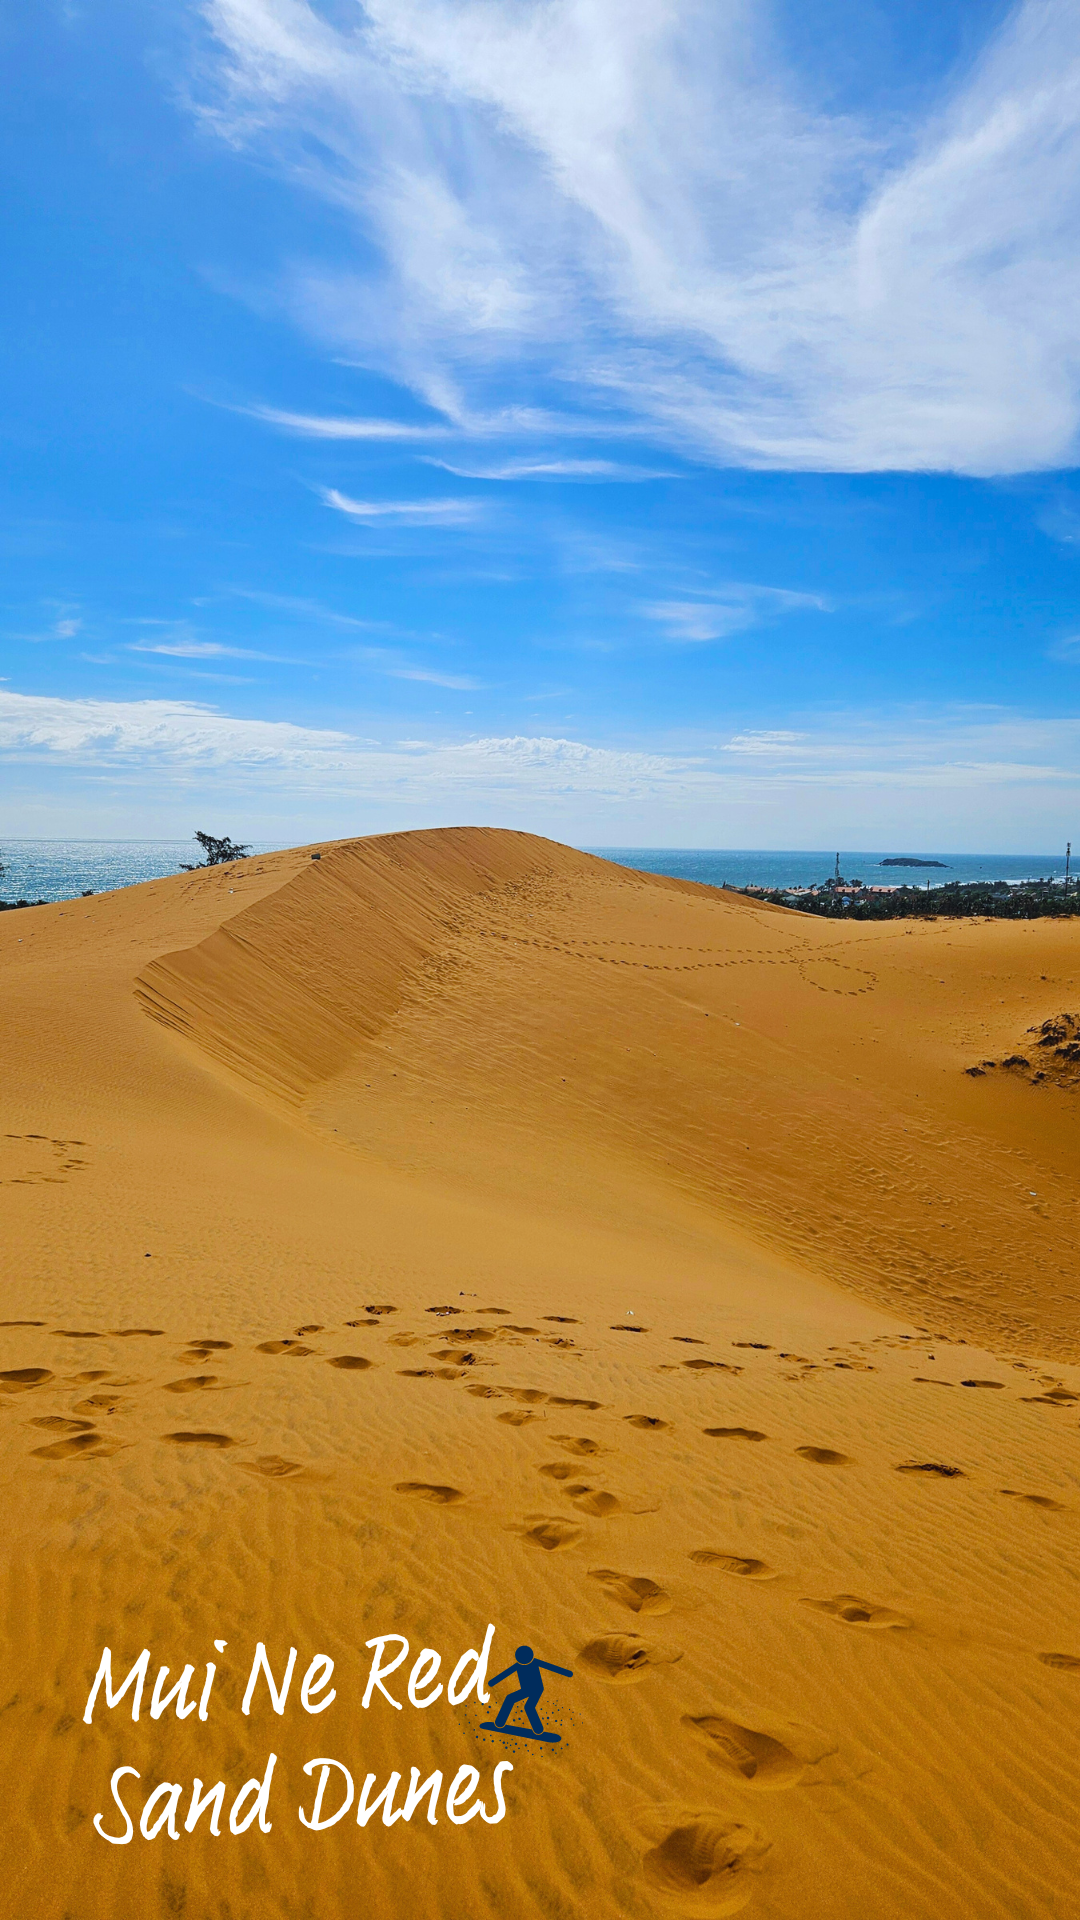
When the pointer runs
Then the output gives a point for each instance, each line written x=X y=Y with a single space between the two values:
x=218 y=852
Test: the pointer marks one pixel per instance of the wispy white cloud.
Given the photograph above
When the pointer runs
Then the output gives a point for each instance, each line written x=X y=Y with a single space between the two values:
x=177 y=732
x=313 y=426
x=699 y=619
x=457 y=682
x=604 y=470
x=66 y=626
x=184 y=646
x=639 y=198
x=764 y=743
x=459 y=421
x=729 y=610
x=297 y=607
x=405 y=513
x=197 y=650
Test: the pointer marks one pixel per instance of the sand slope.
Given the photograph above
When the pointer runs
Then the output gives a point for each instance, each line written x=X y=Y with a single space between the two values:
x=521 y=993
x=659 y=1196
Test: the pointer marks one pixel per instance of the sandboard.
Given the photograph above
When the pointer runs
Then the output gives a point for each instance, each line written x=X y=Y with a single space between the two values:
x=521 y=1733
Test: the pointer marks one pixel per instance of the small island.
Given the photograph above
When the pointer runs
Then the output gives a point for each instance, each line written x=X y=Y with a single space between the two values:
x=914 y=863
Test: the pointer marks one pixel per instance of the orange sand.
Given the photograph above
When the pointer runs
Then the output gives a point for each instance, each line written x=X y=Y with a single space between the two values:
x=723 y=1170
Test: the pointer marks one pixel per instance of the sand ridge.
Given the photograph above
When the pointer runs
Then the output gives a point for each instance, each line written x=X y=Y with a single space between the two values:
x=524 y=1341
x=427 y=1009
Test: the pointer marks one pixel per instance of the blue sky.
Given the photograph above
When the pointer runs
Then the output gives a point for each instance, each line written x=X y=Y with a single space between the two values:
x=640 y=421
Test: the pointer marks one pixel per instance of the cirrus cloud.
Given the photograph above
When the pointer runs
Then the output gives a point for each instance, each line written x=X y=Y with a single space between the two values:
x=404 y=513
x=643 y=201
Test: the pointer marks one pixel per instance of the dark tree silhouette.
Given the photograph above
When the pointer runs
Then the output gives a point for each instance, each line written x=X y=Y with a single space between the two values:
x=218 y=852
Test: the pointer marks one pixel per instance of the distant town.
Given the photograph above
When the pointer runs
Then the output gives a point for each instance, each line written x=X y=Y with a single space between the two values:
x=894 y=900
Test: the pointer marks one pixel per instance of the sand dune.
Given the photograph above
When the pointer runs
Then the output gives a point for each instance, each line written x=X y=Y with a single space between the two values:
x=458 y=1229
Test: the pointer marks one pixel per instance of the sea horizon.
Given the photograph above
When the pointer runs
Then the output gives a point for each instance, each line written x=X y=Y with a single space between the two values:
x=64 y=869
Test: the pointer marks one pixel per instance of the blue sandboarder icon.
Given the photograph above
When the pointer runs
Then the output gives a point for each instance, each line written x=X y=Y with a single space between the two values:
x=530 y=1687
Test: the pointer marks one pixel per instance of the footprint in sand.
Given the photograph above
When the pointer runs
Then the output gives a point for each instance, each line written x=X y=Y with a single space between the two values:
x=754 y=1758
x=71 y=1333
x=350 y=1362
x=444 y=1310
x=734 y=1563
x=486 y=1393
x=688 y=1340
x=137 y=1333
x=648 y=1422
x=85 y=1446
x=633 y=1591
x=211 y=1440
x=560 y=1400
x=22 y=1379
x=293 y=1348
x=705 y=1863
x=823 y=1456
x=438 y=1496
x=22 y=1323
x=551 y=1536
x=98 y=1403
x=983 y=1383
x=301 y=1331
x=562 y=1319
x=194 y=1383
x=211 y=1346
x=625 y=1657
x=733 y=1433
x=271 y=1466
x=859 y=1613
x=1066 y=1662
x=579 y=1444
x=1035 y=1500
x=380 y=1309
x=761 y=1346
x=362 y=1323
x=522 y=1418
x=558 y=1470
x=197 y=1356
x=932 y=1466
x=711 y=1366
x=594 y=1501
x=621 y=1329
x=55 y=1423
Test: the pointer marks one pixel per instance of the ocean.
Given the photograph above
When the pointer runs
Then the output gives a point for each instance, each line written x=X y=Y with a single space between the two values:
x=743 y=867
x=63 y=869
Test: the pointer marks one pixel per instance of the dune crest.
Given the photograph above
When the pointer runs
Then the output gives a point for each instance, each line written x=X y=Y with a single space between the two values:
x=286 y=990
